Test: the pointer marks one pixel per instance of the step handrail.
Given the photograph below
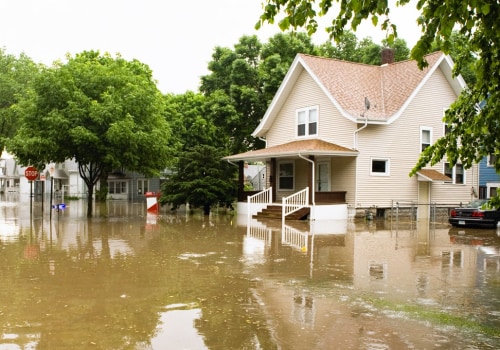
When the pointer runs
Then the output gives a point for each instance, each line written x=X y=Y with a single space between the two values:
x=263 y=197
x=294 y=202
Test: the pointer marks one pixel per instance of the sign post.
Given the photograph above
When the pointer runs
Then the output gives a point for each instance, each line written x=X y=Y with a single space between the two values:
x=31 y=174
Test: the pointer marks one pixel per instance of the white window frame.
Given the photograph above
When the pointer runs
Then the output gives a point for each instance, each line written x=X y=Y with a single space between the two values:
x=307 y=111
x=387 y=166
x=279 y=175
x=488 y=160
x=454 y=174
x=117 y=187
x=422 y=129
x=490 y=186
x=143 y=182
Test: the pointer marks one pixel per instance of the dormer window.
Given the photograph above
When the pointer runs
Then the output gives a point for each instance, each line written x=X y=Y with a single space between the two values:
x=307 y=121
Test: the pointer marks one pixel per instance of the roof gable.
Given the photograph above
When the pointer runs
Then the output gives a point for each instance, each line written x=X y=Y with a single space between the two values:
x=389 y=88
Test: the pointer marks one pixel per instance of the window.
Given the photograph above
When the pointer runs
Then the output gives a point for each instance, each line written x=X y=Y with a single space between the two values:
x=142 y=186
x=492 y=159
x=380 y=167
x=425 y=137
x=286 y=171
x=457 y=173
x=117 y=187
x=492 y=192
x=307 y=121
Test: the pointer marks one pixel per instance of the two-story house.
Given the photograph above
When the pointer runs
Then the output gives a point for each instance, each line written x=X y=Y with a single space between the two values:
x=345 y=137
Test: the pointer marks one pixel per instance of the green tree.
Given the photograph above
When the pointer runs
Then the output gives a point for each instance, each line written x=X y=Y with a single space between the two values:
x=473 y=132
x=199 y=176
x=105 y=113
x=243 y=81
x=234 y=78
x=200 y=179
x=277 y=56
x=16 y=73
x=348 y=48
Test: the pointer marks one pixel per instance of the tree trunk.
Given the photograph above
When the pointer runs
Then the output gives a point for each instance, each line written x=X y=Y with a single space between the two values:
x=206 y=209
x=102 y=193
x=90 y=200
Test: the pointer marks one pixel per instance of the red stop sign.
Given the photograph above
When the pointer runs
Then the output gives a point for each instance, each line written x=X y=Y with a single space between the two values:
x=31 y=173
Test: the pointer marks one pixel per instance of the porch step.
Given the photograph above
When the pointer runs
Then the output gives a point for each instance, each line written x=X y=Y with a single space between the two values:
x=275 y=211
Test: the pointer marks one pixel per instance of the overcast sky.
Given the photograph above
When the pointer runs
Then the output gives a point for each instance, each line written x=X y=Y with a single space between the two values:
x=174 y=38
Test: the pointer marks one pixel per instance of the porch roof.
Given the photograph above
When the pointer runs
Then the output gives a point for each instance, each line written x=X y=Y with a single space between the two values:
x=312 y=147
x=432 y=176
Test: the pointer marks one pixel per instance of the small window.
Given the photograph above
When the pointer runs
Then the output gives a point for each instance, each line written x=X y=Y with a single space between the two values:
x=307 y=121
x=492 y=159
x=380 y=167
x=286 y=178
x=456 y=173
x=492 y=192
x=459 y=174
x=425 y=138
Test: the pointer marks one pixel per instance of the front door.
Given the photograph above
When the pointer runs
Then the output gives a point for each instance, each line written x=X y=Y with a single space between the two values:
x=323 y=177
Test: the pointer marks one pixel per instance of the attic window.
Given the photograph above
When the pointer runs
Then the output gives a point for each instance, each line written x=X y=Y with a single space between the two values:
x=307 y=121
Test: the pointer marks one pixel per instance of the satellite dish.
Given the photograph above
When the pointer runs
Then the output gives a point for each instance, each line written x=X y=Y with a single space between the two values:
x=367 y=103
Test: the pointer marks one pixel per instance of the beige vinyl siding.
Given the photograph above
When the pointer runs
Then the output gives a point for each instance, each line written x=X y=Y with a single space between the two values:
x=343 y=173
x=332 y=127
x=400 y=142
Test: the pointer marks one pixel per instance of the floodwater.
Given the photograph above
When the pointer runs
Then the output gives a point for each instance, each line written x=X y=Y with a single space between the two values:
x=126 y=279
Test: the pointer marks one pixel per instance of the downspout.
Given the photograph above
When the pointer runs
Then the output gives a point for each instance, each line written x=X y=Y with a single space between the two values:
x=313 y=178
x=357 y=131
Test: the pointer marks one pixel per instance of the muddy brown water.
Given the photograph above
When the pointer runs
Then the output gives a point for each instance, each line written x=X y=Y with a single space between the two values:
x=126 y=279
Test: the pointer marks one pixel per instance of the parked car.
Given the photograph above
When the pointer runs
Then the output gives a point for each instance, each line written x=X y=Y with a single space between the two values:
x=476 y=213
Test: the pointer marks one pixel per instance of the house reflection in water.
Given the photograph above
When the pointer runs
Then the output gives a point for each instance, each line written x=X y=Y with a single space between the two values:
x=270 y=239
x=417 y=262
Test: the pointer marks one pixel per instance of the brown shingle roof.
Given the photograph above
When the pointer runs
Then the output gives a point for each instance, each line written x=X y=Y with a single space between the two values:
x=433 y=175
x=387 y=87
x=293 y=149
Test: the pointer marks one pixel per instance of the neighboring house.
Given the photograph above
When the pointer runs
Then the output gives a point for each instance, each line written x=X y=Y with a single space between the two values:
x=9 y=175
x=65 y=180
x=347 y=135
x=255 y=176
x=489 y=179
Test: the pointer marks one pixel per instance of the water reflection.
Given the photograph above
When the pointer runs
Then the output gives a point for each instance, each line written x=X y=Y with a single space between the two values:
x=127 y=279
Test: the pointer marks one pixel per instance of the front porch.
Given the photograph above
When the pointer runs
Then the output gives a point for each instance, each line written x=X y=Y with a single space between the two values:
x=331 y=206
x=309 y=173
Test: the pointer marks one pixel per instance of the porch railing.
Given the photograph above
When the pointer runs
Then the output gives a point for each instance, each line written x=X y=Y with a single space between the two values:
x=294 y=202
x=295 y=238
x=263 y=197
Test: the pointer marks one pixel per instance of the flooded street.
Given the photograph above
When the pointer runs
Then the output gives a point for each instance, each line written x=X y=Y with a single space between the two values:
x=126 y=279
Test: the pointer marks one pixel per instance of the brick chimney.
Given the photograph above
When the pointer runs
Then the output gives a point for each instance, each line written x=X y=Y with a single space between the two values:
x=387 y=55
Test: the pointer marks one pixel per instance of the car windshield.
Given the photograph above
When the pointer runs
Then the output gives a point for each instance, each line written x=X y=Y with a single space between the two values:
x=478 y=203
